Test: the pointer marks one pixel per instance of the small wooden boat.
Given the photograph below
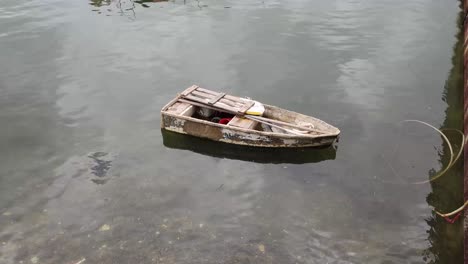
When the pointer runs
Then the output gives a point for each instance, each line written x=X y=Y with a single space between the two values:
x=221 y=117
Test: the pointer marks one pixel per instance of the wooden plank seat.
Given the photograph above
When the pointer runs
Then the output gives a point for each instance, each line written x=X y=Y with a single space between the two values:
x=181 y=108
x=242 y=122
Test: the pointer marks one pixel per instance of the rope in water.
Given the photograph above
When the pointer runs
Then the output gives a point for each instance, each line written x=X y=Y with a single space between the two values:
x=456 y=212
x=442 y=172
x=452 y=161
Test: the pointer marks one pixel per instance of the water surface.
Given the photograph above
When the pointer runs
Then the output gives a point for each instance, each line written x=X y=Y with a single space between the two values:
x=85 y=174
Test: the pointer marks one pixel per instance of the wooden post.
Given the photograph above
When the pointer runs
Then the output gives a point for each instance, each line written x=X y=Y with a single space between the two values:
x=465 y=125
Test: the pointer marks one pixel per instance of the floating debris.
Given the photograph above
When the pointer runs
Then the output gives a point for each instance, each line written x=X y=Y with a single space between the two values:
x=261 y=248
x=34 y=259
x=81 y=261
x=105 y=227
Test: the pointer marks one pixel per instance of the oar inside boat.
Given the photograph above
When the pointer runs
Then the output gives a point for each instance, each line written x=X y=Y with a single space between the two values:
x=268 y=121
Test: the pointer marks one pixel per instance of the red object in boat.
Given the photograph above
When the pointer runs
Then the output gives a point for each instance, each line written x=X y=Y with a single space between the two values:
x=224 y=121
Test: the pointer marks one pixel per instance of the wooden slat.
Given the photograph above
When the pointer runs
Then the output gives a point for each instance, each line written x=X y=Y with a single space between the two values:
x=247 y=106
x=220 y=100
x=224 y=99
x=189 y=90
x=207 y=91
x=178 y=108
x=206 y=106
x=228 y=102
x=202 y=94
x=227 y=96
x=205 y=99
x=216 y=98
x=235 y=99
x=197 y=99
x=218 y=104
x=226 y=107
x=242 y=122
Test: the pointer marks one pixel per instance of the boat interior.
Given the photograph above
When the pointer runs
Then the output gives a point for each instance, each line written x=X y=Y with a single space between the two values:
x=215 y=116
x=273 y=119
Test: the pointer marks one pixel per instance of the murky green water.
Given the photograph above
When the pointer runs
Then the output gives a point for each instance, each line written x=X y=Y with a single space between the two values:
x=86 y=176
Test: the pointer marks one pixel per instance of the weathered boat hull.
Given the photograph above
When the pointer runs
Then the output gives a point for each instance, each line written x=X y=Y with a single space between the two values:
x=233 y=135
x=271 y=127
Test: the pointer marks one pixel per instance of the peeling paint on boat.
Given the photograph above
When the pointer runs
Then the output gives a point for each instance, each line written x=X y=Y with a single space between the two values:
x=228 y=134
x=176 y=129
x=216 y=132
x=288 y=141
x=179 y=122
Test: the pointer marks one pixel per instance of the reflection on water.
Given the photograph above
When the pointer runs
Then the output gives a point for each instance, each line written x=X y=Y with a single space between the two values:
x=446 y=240
x=122 y=7
x=143 y=3
x=260 y=155
x=126 y=7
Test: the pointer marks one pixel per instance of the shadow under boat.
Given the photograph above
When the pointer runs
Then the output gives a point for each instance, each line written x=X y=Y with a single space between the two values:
x=246 y=153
